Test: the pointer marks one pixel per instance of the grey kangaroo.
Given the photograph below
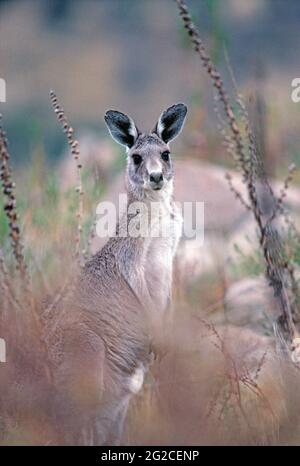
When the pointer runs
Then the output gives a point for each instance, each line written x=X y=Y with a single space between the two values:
x=123 y=291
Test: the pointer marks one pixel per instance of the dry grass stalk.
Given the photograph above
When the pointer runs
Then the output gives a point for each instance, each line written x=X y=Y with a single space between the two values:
x=8 y=189
x=230 y=397
x=262 y=200
x=283 y=192
x=236 y=193
x=214 y=75
x=74 y=146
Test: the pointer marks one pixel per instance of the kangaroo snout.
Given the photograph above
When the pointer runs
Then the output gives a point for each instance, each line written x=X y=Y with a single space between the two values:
x=156 y=180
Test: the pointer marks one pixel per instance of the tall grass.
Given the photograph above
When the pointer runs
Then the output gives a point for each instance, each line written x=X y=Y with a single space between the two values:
x=214 y=385
x=262 y=202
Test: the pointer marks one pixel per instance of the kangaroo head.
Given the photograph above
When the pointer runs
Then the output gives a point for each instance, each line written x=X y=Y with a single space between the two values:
x=149 y=166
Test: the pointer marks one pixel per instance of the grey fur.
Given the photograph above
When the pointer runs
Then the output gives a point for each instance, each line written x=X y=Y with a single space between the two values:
x=120 y=303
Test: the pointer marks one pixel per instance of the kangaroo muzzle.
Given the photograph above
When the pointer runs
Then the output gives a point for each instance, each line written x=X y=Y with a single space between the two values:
x=156 y=180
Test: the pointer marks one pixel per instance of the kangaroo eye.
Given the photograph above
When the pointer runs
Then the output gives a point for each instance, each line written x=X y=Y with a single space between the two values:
x=136 y=159
x=165 y=156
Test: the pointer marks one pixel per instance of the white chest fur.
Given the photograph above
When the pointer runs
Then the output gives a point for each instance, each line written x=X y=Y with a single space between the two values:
x=159 y=254
x=147 y=260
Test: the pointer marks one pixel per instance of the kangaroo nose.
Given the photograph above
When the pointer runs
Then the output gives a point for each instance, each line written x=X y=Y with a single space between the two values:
x=156 y=177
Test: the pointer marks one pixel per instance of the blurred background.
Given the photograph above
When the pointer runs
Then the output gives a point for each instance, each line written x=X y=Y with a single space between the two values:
x=134 y=55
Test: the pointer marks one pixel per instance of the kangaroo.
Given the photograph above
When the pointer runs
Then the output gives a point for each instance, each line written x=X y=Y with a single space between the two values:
x=124 y=290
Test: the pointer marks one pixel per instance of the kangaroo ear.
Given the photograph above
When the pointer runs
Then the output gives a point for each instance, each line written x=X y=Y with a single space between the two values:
x=121 y=127
x=171 y=122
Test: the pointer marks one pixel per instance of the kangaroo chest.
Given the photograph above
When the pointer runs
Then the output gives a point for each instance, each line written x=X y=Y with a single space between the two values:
x=146 y=261
x=159 y=253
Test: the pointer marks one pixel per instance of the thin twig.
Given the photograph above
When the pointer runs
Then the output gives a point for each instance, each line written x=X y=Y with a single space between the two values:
x=8 y=189
x=74 y=146
x=261 y=197
x=237 y=194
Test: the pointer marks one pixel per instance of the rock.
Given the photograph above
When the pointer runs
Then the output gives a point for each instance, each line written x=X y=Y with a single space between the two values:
x=204 y=182
x=195 y=257
x=248 y=303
